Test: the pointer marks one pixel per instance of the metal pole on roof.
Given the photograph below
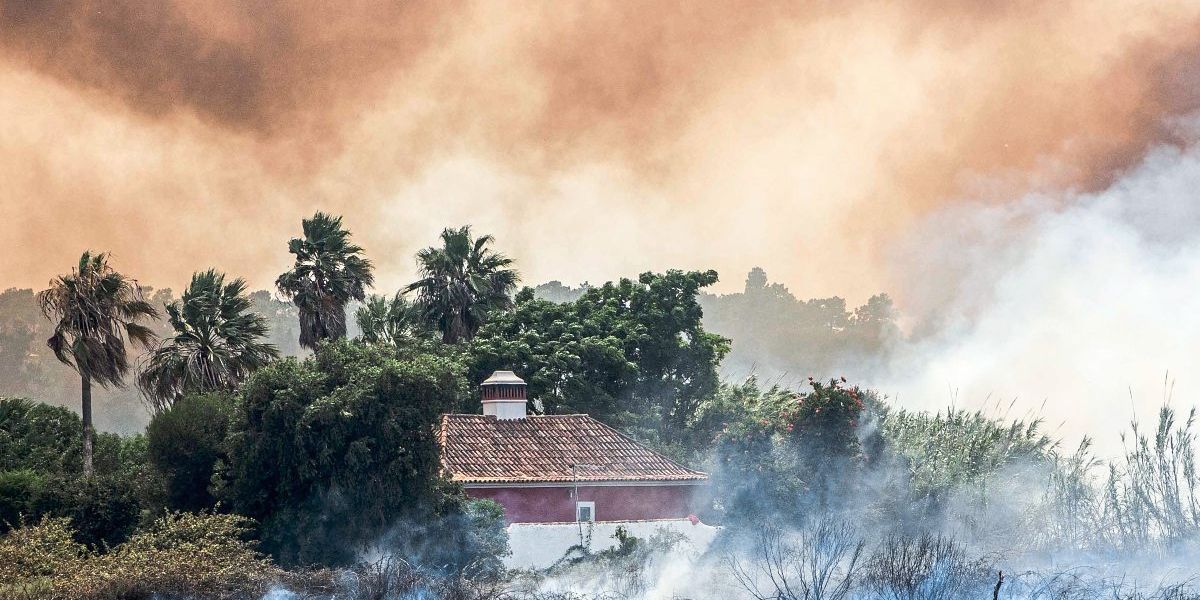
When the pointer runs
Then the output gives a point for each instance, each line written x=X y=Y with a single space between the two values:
x=575 y=496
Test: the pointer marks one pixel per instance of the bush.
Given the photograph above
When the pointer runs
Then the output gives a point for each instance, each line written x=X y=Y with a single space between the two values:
x=184 y=443
x=923 y=567
x=103 y=510
x=39 y=437
x=180 y=555
x=786 y=449
x=18 y=489
x=332 y=453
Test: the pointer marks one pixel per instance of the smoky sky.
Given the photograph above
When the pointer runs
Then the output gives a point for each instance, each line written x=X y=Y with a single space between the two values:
x=594 y=140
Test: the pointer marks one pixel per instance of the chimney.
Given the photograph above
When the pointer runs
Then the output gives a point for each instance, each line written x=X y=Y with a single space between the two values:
x=504 y=395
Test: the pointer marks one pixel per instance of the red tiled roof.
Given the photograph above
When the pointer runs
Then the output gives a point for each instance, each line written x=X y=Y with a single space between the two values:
x=542 y=448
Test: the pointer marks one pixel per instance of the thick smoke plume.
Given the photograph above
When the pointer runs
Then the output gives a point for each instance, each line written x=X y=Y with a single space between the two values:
x=1078 y=307
x=917 y=147
x=801 y=138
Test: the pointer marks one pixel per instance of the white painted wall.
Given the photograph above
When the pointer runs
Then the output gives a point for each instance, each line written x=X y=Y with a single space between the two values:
x=504 y=409
x=539 y=545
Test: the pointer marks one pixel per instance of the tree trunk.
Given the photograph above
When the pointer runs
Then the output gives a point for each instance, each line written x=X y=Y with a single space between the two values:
x=87 y=426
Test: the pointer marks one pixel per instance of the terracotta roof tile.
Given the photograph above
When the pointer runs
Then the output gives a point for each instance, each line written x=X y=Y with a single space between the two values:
x=542 y=448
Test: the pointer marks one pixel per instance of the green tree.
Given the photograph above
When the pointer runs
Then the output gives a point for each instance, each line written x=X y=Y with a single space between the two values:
x=386 y=320
x=631 y=353
x=38 y=437
x=330 y=453
x=185 y=443
x=96 y=310
x=216 y=344
x=784 y=451
x=462 y=283
x=328 y=273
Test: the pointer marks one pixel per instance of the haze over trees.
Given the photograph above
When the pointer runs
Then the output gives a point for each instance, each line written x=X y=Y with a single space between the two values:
x=255 y=469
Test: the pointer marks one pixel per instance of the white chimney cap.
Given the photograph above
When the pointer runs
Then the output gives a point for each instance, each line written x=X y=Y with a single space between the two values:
x=503 y=378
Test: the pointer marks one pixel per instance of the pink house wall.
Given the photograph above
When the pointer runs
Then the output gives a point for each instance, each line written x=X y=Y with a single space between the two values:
x=613 y=503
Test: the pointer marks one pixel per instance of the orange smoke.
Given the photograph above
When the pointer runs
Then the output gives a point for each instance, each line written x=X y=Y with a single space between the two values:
x=594 y=140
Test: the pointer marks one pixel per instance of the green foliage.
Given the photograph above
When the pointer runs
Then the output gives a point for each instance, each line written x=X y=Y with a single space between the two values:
x=785 y=450
x=48 y=439
x=462 y=283
x=216 y=342
x=330 y=452
x=39 y=437
x=487 y=540
x=178 y=556
x=18 y=492
x=632 y=353
x=28 y=370
x=40 y=475
x=184 y=444
x=104 y=509
x=329 y=272
x=956 y=447
x=384 y=320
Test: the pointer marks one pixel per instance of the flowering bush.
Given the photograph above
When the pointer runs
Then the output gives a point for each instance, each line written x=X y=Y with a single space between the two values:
x=787 y=449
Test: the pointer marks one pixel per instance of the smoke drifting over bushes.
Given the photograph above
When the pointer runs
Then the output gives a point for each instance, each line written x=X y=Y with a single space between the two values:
x=1080 y=301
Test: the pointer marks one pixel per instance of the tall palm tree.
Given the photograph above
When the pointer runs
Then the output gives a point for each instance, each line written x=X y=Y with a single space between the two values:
x=96 y=311
x=461 y=282
x=216 y=344
x=386 y=320
x=329 y=272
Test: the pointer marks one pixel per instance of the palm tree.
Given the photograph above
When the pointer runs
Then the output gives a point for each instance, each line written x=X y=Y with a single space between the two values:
x=329 y=272
x=461 y=283
x=96 y=311
x=386 y=320
x=215 y=346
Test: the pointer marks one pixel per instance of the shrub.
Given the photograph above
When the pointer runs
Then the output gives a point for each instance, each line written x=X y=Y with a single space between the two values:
x=18 y=489
x=332 y=453
x=184 y=443
x=787 y=451
x=822 y=561
x=180 y=555
x=103 y=510
x=921 y=567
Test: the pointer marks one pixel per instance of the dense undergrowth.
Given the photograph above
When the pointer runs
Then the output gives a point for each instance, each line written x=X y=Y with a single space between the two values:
x=960 y=506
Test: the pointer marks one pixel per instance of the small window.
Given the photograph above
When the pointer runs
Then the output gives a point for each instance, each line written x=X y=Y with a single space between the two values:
x=585 y=512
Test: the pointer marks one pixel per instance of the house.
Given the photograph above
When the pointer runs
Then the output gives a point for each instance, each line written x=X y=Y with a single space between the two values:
x=554 y=473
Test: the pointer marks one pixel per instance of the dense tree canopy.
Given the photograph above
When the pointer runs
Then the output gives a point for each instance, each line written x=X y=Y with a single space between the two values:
x=330 y=452
x=184 y=444
x=633 y=353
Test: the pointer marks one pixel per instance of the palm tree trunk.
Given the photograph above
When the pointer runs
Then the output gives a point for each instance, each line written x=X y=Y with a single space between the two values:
x=87 y=425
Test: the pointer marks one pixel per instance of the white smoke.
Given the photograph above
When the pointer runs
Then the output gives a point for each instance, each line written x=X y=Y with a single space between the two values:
x=1075 y=306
